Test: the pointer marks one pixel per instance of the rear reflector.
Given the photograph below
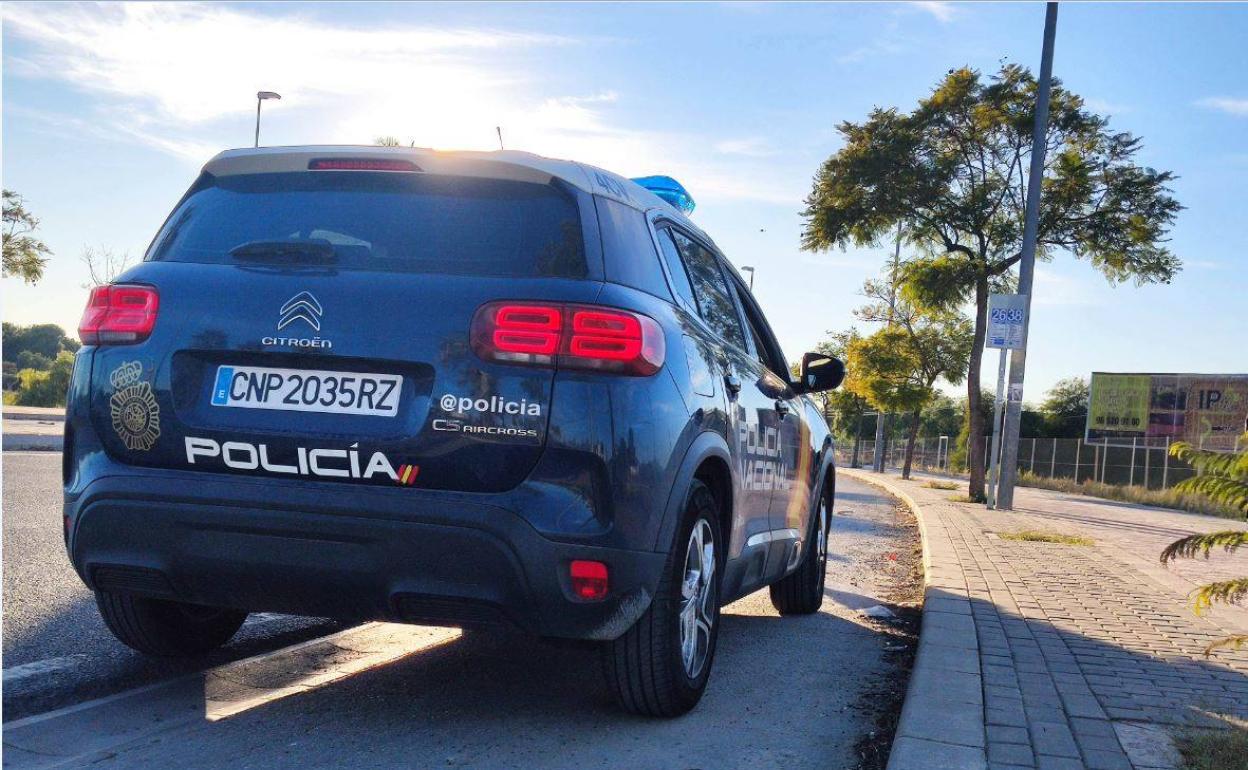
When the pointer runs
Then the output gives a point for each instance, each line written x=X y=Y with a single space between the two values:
x=119 y=315
x=570 y=336
x=361 y=164
x=589 y=579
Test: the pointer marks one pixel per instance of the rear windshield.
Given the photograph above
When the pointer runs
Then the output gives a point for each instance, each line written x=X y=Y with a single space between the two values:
x=383 y=221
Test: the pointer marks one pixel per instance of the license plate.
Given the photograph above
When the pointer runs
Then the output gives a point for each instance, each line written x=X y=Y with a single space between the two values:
x=307 y=390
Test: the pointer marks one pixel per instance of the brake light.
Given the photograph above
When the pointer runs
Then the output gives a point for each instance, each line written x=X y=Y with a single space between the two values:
x=589 y=579
x=572 y=336
x=119 y=315
x=361 y=164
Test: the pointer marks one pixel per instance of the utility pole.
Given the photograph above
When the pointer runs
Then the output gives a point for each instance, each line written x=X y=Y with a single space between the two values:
x=877 y=461
x=1026 y=267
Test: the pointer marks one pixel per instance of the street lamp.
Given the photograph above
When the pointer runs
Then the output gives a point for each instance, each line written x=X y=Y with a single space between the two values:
x=260 y=97
x=745 y=268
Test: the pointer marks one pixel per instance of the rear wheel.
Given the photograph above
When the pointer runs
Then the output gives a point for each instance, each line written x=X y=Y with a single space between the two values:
x=167 y=629
x=660 y=666
x=801 y=593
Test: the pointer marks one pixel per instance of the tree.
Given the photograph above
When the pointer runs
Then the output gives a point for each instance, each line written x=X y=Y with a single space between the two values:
x=103 y=264
x=843 y=408
x=387 y=141
x=44 y=340
x=1223 y=478
x=897 y=367
x=935 y=342
x=954 y=172
x=25 y=256
x=1065 y=408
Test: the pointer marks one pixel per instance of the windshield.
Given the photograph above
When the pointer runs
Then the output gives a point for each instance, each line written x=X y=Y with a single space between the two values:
x=383 y=221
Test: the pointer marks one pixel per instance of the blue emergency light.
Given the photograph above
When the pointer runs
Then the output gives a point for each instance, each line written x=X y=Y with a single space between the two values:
x=669 y=190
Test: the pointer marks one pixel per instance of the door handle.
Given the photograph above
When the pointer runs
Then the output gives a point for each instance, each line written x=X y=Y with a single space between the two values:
x=733 y=384
x=782 y=408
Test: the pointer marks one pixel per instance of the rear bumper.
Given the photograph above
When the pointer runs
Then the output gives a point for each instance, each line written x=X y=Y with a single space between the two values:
x=400 y=555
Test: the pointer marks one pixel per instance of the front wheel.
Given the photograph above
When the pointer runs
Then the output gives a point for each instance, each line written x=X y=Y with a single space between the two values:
x=167 y=629
x=660 y=666
x=801 y=593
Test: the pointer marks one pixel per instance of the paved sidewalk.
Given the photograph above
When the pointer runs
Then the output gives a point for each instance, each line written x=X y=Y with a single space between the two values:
x=1043 y=655
x=31 y=427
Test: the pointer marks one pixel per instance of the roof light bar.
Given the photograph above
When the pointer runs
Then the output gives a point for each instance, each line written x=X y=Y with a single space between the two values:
x=669 y=190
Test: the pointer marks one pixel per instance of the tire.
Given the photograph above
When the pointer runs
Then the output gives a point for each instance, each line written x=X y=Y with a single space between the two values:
x=801 y=593
x=648 y=669
x=167 y=629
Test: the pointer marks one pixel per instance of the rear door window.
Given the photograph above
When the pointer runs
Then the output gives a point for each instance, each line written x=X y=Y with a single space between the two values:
x=384 y=221
x=714 y=302
x=628 y=248
x=676 y=269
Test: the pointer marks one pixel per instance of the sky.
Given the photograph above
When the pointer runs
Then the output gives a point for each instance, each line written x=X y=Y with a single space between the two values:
x=110 y=110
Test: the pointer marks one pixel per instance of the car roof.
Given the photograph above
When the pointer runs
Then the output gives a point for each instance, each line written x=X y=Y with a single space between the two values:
x=496 y=164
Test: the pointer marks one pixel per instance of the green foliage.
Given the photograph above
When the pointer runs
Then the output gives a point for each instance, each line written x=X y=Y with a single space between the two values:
x=387 y=141
x=25 y=256
x=45 y=388
x=953 y=172
x=1222 y=478
x=1065 y=408
x=44 y=340
x=1215 y=749
x=29 y=359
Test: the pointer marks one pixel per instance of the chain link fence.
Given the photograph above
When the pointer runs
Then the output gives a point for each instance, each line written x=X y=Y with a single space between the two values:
x=1146 y=465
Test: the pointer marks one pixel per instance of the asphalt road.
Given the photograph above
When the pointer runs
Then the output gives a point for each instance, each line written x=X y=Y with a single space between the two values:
x=57 y=650
x=785 y=692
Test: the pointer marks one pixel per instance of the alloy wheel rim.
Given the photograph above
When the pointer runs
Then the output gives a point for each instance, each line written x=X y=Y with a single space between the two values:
x=697 y=600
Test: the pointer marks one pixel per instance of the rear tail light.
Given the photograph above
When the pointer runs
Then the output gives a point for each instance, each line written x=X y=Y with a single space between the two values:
x=589 y=579
x=570 y=336
x=119 y=315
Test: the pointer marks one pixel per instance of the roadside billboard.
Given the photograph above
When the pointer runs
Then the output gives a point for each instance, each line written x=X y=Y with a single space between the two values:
x=1208 y=410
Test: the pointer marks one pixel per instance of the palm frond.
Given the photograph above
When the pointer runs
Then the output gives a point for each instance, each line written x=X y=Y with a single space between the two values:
x=1233 y=465
x=1234 y=642
x=1192 y=545
x=1233 y=493
x=1224 y=591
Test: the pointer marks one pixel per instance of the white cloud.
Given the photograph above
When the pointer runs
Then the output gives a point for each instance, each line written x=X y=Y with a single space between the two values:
x=181 y=79
x=750 y=147
x=1227 y=104
x=941 y=11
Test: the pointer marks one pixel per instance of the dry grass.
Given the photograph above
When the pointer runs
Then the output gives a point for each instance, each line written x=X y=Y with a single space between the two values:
x=963 y=499
x=1218 y=750
x=1158 y=498
x=1038 y=536
x=941 y=485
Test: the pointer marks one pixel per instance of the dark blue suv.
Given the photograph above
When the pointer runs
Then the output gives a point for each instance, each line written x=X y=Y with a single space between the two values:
x=449 y=389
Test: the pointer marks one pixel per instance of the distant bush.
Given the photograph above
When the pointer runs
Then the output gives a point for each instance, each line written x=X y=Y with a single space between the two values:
x=1159 y=498
x=47 y=387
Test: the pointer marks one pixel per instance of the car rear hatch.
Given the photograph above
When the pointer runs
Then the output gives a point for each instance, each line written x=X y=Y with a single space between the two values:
x=314 y=324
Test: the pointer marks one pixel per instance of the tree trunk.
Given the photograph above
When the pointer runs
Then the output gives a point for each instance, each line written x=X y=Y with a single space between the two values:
x=975 y=420
x=914 y=434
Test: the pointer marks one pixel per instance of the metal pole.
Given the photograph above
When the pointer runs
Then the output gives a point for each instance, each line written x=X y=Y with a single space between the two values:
x=1078 y=453
x=1027 y=263
x=1031 y=466
x=1134 y=439
x=258 y=100
x=1165 y=464
x=1053 y=461
x=1148 y=453
x=878 y=464
x=993 y=466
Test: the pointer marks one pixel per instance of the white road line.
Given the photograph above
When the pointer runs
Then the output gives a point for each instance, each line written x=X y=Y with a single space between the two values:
x=16 y=674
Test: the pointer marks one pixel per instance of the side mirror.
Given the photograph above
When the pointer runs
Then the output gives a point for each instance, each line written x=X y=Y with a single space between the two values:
x=820 y=372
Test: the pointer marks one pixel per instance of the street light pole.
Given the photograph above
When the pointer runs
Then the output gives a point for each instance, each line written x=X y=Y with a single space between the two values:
x=260 y=97
x=1026 y=268
x=877 y=461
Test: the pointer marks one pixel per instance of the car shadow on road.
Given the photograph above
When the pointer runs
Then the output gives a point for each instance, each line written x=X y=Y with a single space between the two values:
x=784 y=692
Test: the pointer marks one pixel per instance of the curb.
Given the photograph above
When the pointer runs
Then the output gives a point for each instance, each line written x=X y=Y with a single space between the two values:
x=27 y=442
x=942 y=721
